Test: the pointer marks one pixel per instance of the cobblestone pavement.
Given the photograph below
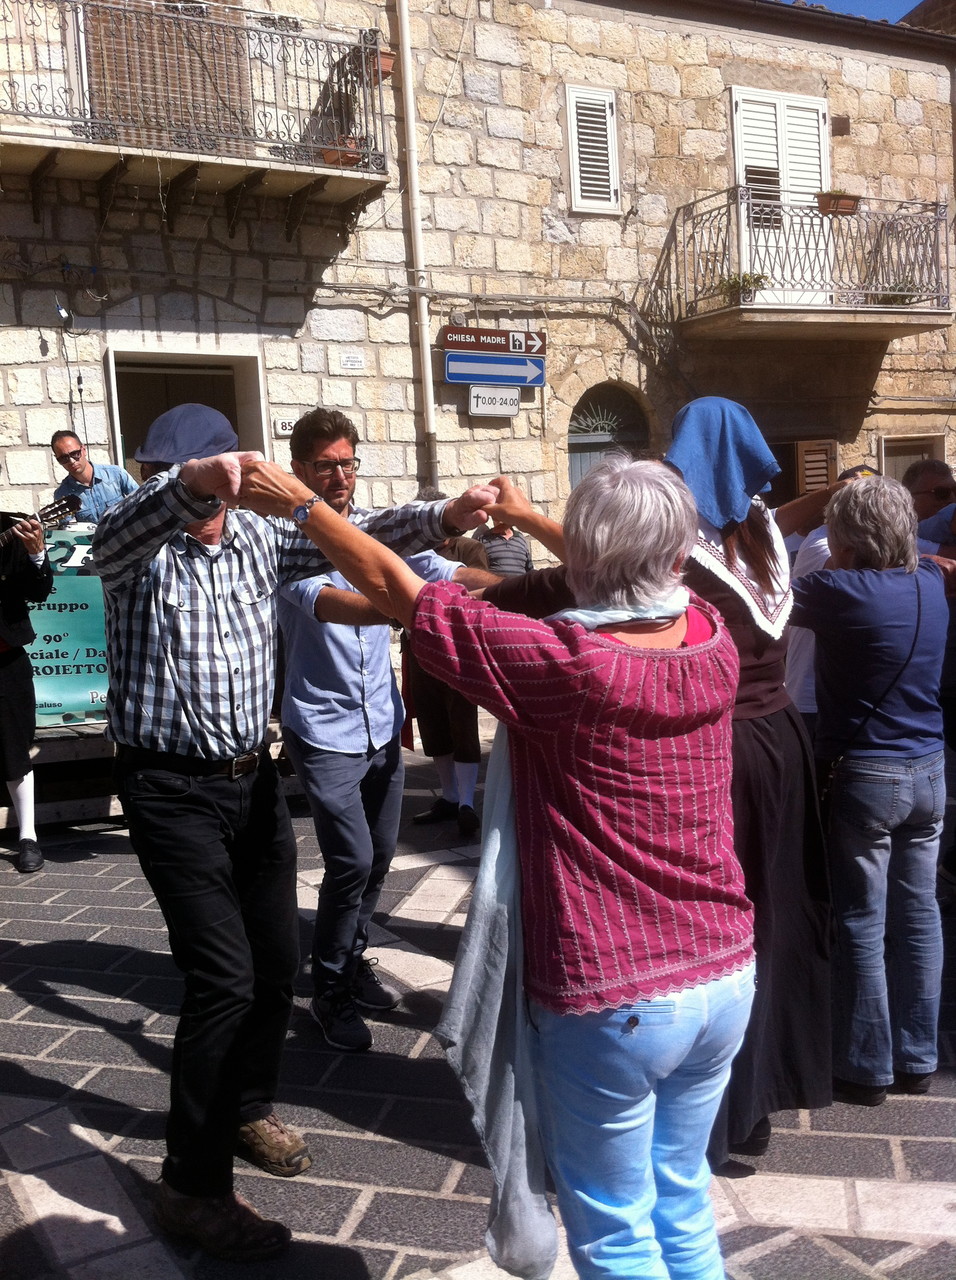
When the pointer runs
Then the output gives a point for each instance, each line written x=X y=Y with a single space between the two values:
x=398 y=1188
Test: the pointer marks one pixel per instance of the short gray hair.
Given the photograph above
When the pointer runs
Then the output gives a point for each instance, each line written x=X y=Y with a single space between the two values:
x=626 y=525
x=874 y=518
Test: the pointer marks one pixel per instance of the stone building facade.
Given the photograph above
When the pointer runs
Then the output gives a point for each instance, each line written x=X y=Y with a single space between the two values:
x=284 y=278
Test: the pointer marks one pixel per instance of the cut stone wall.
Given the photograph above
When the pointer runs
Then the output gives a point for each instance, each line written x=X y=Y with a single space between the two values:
x=501 y=245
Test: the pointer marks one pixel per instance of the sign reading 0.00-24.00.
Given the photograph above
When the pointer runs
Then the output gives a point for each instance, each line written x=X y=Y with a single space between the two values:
x=69 y=653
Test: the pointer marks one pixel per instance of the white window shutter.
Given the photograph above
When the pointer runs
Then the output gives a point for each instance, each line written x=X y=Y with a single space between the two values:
x=782 y=135
x=592 y=148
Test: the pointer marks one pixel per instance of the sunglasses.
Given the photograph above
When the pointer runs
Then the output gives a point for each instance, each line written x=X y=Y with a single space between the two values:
x=69 y=457
x=349 y=467
x=942 y=492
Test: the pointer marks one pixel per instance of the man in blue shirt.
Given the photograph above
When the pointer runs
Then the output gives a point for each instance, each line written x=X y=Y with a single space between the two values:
x=98 y=486
x=341 y=722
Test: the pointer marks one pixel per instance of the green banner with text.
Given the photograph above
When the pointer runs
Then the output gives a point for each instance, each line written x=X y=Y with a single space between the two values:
x=69 y=653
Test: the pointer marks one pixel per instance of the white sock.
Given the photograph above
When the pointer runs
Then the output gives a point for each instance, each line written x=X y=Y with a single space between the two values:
x=467 y=776
x=21 y=797
x=446 y=776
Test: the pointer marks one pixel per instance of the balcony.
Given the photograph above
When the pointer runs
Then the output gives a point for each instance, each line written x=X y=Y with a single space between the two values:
x=189 y=96
x=739 y=265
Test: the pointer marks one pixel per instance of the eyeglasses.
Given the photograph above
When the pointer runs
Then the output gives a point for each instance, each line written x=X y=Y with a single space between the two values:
x=323 y=468
x=942 y=492
x=69 y=457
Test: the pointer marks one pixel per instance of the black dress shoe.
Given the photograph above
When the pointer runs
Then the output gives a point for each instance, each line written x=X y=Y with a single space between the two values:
x=441 y=811
x=469 y=823
x=858 y=1095
x=910 y=1082
x=757 y=1141
x=29 y=857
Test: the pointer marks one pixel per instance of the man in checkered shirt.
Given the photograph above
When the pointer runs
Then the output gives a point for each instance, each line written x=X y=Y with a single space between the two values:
x=190 y=590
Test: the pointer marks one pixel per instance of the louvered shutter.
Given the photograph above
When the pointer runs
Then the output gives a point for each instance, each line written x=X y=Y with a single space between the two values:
x=816 y=464
x=780 y=145
x=592 y=147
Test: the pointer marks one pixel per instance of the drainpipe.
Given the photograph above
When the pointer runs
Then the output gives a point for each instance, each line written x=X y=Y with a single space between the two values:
x=416 y=271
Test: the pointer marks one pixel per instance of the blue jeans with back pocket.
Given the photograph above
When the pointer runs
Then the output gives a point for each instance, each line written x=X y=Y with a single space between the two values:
x=626 y=1100
x=885 y=820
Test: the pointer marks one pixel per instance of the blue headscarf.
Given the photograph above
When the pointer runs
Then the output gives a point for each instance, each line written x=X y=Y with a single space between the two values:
x=725 y=461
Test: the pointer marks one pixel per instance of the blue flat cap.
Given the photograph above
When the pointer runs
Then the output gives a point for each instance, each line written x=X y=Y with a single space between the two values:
x=188 y=431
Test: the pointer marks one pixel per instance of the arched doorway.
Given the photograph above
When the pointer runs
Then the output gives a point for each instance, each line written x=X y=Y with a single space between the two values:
x=606 y=417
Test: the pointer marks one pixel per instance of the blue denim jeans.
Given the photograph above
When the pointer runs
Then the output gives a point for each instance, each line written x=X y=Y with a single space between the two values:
x=885 y=820
x=356 y=803
x=626 y=1100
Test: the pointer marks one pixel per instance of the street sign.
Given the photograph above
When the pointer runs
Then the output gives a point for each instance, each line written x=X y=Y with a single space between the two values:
x=505 y=341
x=508 y=371
x=493 y=402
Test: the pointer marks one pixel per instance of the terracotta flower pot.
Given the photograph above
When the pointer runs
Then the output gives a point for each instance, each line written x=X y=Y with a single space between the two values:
x=380 y=68
x=831 y=202
x=345 y=156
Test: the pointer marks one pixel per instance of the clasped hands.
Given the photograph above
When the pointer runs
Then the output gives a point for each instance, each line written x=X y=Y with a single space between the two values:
x=247 y=480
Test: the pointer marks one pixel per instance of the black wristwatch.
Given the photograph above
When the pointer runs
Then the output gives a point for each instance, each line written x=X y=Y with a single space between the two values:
x=301 y=513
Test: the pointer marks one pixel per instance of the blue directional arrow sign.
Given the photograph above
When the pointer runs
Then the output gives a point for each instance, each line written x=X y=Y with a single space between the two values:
x=494 y=371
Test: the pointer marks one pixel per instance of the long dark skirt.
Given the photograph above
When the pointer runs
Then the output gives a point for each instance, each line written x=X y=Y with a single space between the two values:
x=18 y=717
x=784 y=1062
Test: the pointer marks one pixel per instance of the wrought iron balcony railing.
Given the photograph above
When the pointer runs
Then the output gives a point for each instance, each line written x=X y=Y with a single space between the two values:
x=203 y=79
x=739 y=249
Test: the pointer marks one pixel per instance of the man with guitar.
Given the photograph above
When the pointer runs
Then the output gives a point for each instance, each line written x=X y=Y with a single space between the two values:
x=25 y=575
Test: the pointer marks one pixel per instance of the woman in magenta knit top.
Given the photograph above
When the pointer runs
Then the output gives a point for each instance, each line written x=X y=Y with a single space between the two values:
x=637 y=931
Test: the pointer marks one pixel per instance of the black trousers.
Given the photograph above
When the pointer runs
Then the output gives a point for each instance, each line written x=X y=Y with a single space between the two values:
x=220 y=856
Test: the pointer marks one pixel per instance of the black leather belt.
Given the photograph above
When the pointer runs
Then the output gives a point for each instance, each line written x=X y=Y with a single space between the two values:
x=192 y=766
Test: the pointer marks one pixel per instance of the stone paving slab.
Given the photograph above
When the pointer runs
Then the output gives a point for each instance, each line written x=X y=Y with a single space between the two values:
x=399 y=1188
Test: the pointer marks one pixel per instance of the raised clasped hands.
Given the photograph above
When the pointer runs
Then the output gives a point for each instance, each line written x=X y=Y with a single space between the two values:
x=511 y=507
x=217 y=477
x=468 y=510
x=268 y=490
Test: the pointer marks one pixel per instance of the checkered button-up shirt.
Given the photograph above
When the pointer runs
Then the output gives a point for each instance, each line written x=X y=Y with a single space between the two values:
x=191 y=627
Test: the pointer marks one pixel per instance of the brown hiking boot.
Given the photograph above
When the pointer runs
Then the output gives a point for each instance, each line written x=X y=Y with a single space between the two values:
x=273 y=1146
x=225 y=1226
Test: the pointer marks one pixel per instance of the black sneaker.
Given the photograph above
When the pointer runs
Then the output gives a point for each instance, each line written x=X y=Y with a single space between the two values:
x=441 y=811
x=368 y=989
x=340 y=1022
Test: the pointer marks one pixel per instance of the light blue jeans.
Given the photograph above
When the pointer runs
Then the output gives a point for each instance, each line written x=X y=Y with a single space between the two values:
x=626 y=1100
x=885 y=820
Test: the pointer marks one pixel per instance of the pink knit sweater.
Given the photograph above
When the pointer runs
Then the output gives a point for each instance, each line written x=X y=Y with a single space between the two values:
x=621 y=765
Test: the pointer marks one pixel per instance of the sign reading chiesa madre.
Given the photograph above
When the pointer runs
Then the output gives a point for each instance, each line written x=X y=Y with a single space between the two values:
x=503 y=341
x=494 y=363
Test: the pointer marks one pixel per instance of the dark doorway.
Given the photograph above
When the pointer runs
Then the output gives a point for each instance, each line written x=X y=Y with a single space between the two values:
x=144 y=391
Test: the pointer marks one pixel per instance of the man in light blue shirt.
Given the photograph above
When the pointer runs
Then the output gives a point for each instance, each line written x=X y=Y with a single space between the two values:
x=98 y=486
x=341 y=722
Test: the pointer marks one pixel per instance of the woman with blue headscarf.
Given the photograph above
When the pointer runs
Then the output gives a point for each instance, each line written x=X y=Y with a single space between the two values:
x=740 y=565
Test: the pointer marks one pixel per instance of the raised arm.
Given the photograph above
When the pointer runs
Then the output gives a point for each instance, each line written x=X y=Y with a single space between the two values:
x=131 y=533
x=513 y=508
x=384 y=579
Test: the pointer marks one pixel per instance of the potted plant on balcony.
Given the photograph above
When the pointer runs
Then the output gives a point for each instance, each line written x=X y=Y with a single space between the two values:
x=345 y=154
x=378 y=63
x=836 y=201
x=733 y=288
